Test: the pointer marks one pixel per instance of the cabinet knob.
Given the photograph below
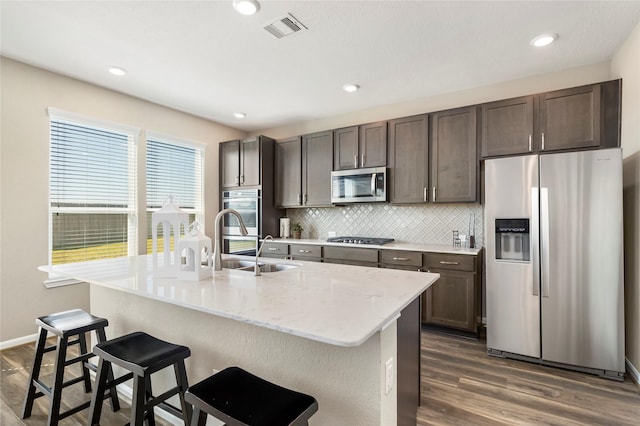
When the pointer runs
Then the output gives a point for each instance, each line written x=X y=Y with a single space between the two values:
x=543 y=142
x=355 y=161
x=403 y=259
x=273 y=249
x=444 y=262
x=434 y=193
x=299 y=199
x=362 y=162
x=304 y=251
x=529 y=143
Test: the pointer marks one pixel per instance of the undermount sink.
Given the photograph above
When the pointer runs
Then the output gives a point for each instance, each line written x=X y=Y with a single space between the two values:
x=247 y=265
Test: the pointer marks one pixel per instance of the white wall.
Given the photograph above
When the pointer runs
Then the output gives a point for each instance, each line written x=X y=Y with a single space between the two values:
x=26 y=92
x=526 y=86
x=626 y=65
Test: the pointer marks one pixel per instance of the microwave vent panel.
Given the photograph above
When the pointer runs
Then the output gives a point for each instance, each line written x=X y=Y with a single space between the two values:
x=285 y=26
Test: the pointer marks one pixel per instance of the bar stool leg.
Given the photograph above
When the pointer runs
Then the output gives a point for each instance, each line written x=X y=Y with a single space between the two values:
x=138 y=400
x=151 y=418
x=35 y=374
x=113 y=394
x=95 y=408
x=183 y=385
x=82 y=338
x=56 y=388
x=199 y=417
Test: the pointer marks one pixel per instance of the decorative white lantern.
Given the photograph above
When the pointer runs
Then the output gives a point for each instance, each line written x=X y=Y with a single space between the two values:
x=197 y=249
x=172 y=218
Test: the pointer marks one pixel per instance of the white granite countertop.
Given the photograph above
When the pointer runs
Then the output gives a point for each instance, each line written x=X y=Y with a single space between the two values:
x=396 y=245
x=336 y=304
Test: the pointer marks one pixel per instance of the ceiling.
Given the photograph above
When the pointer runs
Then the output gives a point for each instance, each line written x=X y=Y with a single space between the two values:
x=204 y=58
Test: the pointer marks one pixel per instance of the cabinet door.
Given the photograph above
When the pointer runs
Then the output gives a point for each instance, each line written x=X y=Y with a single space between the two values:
x=450 y=301
x=507 y=127
x=345 y=148
x=289 y=173
x=454 y=161
x=570 y=118
x=317 y=161
x=408 y=159
x=373 y=144
x=250 y=162
x=230 y=164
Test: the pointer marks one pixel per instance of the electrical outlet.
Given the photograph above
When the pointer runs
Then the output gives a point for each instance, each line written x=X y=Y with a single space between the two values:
x=388 y=377
x=331 y=234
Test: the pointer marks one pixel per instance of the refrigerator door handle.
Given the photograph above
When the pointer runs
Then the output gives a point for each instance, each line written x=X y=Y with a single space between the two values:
x=535 y=248
x=544 y=240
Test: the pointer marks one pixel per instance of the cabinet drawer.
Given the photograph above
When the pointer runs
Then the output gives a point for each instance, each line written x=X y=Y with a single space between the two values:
x=351 y=254
x=305 y=250
x=454 y=262
x=398 y=257
x=275 y=249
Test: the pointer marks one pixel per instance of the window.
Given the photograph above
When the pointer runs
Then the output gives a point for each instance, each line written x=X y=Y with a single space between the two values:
x=174 y=167
x=92 y=190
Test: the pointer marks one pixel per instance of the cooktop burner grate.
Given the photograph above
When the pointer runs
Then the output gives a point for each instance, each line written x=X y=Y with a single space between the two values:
x=360 y=240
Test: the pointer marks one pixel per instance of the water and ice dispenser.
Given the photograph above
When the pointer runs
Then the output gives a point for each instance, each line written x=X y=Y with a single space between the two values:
x=513 y=240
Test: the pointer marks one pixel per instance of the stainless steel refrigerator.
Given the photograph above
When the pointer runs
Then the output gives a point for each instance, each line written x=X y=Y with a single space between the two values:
x=553 y=232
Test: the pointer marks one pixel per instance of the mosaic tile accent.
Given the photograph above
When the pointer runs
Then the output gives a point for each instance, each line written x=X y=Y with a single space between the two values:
x=420 y=224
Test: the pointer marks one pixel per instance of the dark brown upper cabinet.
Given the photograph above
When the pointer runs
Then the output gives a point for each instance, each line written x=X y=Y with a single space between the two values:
x=454 y=159
x=241 y=162
x=289 y=172
x=360 y=146
x=507 y=127
x=585 y=117
x=409 y=159
x=317 y=156
x=570 y=119
x=303 y=170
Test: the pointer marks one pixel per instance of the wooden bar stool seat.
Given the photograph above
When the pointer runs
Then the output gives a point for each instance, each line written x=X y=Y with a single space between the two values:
x=65 y=325
x=238 y=398
x=141 y=355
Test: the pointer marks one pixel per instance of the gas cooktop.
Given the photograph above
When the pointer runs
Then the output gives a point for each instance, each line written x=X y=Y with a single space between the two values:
x=360 y=240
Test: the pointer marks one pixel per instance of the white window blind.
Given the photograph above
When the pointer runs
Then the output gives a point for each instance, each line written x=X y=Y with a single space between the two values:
x=92 y=191
x=175 y=168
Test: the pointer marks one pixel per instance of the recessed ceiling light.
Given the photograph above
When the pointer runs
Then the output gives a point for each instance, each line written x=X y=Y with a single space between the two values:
x=239 y=115
x=544 y=39
x=350 y=87
x=246 y=7
x=117 y=71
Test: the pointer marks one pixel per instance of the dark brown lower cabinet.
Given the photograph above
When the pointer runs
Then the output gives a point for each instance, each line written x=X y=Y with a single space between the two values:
x=453 y=300
x=450 y=301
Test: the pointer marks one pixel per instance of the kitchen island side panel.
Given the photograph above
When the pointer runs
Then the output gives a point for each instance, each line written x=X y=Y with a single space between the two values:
x=348 y=382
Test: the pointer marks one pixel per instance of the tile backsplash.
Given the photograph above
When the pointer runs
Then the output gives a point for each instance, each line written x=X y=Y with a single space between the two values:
x=422 y=224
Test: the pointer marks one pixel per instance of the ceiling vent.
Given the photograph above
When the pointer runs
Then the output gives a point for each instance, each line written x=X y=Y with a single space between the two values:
x=285 y=26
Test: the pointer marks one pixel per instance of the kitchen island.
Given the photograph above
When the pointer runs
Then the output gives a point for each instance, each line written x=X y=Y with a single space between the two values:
x=332 y=331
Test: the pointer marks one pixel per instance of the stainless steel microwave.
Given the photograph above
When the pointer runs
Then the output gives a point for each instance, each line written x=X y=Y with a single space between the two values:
x=359 y=185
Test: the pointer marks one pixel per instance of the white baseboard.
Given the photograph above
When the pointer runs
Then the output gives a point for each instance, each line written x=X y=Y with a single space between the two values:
x=18 y=341
x=632 y=371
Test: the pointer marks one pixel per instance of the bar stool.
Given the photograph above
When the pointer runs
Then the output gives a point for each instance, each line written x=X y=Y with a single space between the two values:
x=239 y=398
x=142 y=355
x=64 y=325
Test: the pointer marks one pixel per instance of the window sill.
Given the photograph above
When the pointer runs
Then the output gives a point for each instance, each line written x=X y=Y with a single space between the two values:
x=61 y=282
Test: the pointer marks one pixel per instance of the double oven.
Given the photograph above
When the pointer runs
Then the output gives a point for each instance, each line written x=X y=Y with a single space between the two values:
x=248 y=202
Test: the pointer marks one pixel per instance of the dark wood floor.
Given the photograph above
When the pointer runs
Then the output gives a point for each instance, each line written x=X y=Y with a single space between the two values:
x=461 y=385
